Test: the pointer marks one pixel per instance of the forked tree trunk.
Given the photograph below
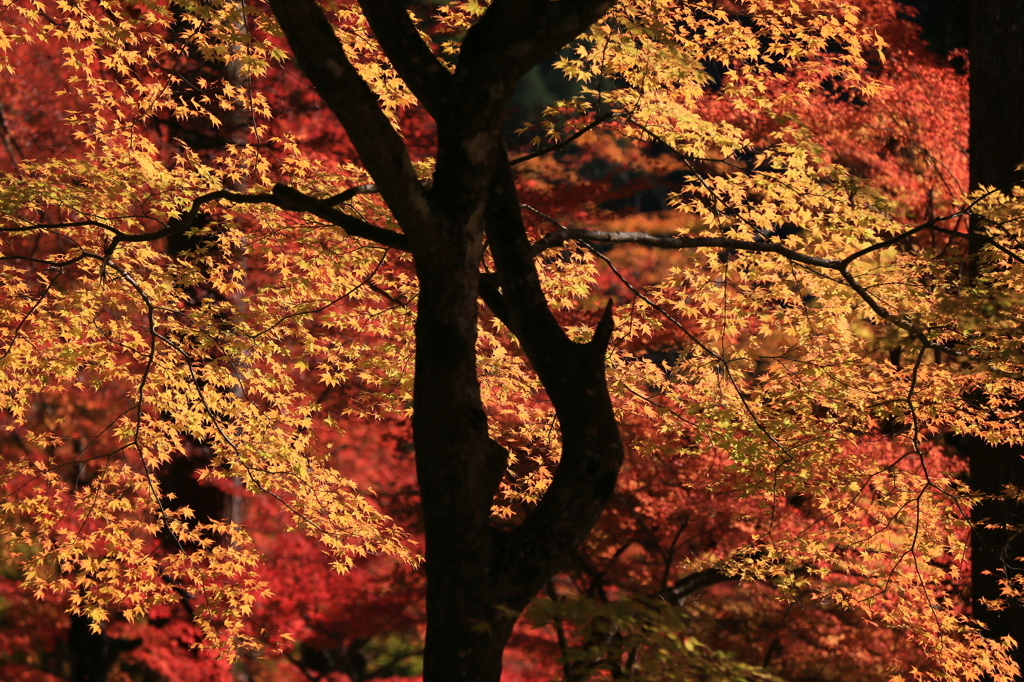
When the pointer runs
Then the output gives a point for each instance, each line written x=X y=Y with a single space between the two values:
x=996 y=149
x=479 y=578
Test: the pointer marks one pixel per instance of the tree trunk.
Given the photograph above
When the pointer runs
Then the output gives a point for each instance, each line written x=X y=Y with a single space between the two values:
x=996 y=149
x=456 y=485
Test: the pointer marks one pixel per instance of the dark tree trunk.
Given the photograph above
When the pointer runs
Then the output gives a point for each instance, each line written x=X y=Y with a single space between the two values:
x=996 y=149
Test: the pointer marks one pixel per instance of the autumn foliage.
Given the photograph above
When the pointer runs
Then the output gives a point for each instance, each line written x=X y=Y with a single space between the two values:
x=217 y=292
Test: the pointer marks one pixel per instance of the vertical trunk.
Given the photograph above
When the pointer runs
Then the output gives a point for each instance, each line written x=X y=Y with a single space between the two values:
x=995 y=551
x=996 y=149
x=459 y=647
x=997 y=95
x=452 y=451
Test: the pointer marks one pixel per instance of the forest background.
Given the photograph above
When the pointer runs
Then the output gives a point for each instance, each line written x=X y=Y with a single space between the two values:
x=701 y=566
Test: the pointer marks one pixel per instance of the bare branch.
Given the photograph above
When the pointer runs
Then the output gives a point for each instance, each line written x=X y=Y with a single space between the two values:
x=559 y=237
x=695 y=582
x=292 y=199
x=346 y=195
x=929 y=225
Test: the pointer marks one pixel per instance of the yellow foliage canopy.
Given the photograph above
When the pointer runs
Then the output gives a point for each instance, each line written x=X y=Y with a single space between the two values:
x=807 y=317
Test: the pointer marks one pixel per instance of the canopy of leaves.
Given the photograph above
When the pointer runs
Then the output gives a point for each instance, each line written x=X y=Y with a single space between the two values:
x=792 y=327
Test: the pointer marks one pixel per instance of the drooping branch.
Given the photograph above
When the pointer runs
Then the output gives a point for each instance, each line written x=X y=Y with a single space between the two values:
x=840 y=265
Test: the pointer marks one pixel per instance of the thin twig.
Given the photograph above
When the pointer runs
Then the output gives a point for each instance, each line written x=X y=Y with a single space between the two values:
x=567 y=141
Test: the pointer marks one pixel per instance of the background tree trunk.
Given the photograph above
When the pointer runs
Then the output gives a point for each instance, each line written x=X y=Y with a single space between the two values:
x=996 y=149
x=93 y=654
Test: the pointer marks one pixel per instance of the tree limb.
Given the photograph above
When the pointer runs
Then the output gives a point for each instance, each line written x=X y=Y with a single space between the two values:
x=493 y=299
x=510 y=38
x=412 y=58
x=284 y=197
x=694 y=582
x=513 y=36
x=345 y=195
x=563 y=234
x=559 y=237
x=380 y=147
x=291 y=199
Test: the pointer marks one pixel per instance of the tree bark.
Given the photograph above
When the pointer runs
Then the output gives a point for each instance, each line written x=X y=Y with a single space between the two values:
x=996 y=149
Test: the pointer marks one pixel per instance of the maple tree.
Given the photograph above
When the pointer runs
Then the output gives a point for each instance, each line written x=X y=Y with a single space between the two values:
x=794 y=342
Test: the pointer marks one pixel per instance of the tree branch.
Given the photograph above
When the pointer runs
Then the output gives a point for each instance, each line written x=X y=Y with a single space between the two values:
x=345 y=195
x=694 y=582
x=567 y=141
x=291 y=199
x=510 y=38
x=574 y=377
x=513 y=36
x=563 y=234
x=286 y=198
x=559 y=237
x=929 y=225
x=493 y=299
x=380 y=147
x=412 y=58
